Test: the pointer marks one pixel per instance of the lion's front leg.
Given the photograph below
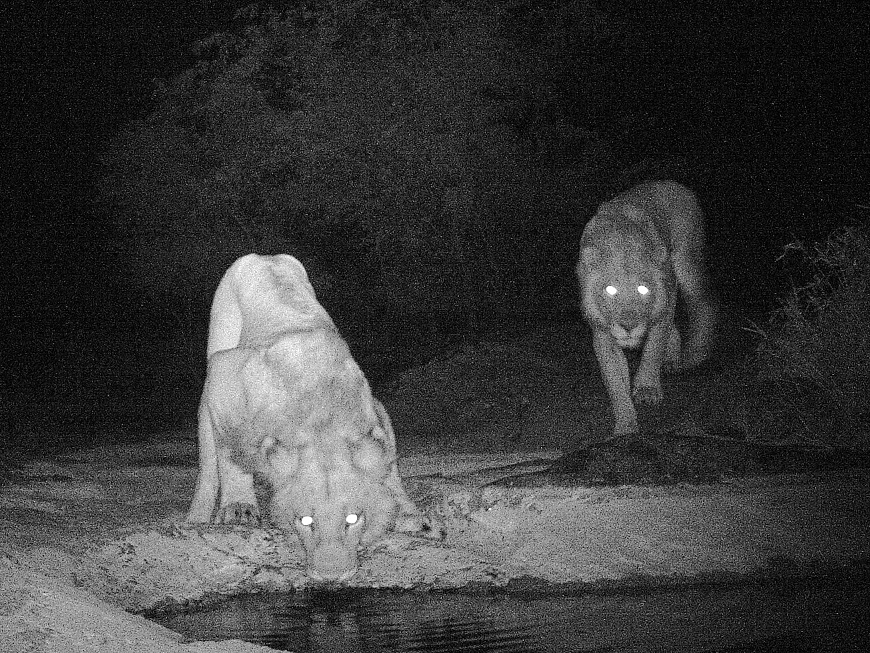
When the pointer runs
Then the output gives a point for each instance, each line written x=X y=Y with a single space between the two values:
x=648 y=381
x=238 y=503
x=614 y=371
x=409 y=518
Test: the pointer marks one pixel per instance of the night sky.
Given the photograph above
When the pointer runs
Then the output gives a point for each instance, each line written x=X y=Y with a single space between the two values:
x=789 y=103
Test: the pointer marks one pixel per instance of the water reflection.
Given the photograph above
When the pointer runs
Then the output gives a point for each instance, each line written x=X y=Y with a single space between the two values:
x=704 y=620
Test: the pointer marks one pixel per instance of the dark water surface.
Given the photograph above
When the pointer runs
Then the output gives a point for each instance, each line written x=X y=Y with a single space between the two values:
x=784 y=618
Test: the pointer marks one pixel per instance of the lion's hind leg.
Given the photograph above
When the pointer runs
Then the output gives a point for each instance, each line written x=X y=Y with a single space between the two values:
x=208 y=480
x=704 y=314
x=701 y=307
x=673 y=361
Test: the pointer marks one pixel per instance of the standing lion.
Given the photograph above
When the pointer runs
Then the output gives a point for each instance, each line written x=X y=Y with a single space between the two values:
x=284 y=400
x=638 y=251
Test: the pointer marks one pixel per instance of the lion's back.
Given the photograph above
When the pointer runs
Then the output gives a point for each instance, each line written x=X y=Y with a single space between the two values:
x=261 y=297
x=298 y=390
x=668 y=207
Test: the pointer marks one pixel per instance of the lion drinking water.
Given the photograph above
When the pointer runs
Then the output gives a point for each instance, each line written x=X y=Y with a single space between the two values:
x=638 y=251
x=284 y=400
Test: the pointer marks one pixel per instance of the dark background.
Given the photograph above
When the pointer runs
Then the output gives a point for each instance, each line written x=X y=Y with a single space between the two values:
x=766 y=106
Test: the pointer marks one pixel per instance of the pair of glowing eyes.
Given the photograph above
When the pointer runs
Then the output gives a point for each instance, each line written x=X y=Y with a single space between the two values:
x=612 y=290
x=350 y=519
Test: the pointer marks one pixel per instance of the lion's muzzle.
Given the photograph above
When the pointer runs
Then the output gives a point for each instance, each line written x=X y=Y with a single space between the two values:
x=332 y=562
x=330 y=544
x=629 y=334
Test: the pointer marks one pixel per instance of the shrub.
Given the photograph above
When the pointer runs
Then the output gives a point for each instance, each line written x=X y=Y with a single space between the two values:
x=811 y=363
x=364 y=137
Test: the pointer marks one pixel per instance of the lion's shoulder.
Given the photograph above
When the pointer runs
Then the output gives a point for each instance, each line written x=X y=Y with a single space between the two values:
x=667 y=207
x=644 y=225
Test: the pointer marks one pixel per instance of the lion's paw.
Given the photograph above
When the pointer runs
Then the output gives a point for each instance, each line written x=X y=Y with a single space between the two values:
x=647 y=395
x=238 y=512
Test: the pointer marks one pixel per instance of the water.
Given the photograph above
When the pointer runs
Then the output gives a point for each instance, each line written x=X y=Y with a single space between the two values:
x=786 y=619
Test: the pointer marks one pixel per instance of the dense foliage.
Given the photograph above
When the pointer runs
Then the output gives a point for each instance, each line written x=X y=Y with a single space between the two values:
x=426 y=157
x=812 y=358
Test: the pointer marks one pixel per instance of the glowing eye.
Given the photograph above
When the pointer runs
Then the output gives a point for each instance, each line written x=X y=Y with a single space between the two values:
x=307 y=520
x=351 y=518
x=643 y=290
x=610 y=290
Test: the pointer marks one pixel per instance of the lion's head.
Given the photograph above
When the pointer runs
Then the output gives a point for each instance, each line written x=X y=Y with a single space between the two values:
x=285 y=401
x=333 y=519
x=626 y=279
x=336 y=496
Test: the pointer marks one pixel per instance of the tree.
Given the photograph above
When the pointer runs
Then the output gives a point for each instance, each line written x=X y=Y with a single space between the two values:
x=384 y=124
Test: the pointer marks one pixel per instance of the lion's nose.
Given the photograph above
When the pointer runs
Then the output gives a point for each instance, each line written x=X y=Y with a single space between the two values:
x=629 y=321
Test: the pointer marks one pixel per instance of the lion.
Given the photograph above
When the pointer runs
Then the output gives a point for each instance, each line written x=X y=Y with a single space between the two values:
x=285 y=401
x=637 y=253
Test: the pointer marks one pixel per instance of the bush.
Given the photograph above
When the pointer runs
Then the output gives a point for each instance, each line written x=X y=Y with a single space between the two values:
x=811 y=363
x=364 y=137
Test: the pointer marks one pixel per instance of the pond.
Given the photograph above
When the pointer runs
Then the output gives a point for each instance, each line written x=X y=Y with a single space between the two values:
x=786 y=618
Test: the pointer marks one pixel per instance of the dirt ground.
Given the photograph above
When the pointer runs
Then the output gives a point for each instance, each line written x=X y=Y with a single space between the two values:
x=504 y=441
